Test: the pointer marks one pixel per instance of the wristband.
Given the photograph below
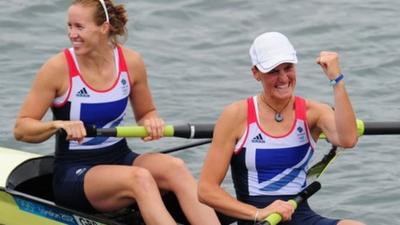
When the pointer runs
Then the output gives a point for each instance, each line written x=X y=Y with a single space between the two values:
x=336 y=80
x=256 y=216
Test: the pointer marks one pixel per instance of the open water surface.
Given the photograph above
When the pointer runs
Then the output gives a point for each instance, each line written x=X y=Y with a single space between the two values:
x=196 y=52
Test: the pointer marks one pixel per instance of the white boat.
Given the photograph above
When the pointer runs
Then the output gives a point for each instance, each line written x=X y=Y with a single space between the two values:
x=26 y=196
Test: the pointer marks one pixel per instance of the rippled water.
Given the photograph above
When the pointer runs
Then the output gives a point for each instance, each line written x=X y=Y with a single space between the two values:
x=197 y=61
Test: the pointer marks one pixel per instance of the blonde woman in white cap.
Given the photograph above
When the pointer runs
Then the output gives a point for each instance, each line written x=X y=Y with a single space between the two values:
x=268 y=139
x=92 y=83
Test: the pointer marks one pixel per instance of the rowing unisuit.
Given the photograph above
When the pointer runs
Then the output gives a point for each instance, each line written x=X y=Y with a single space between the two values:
x=103 y=108
x=263 y=164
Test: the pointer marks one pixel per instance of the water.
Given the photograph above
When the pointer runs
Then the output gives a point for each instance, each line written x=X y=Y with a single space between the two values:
x=197 y=61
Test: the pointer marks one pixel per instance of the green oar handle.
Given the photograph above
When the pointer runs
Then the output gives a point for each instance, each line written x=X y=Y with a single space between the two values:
x=138 y=131
x=275 y=218
x=183 y=131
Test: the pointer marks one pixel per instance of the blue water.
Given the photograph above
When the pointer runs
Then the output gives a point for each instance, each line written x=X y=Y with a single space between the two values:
x=196 y=52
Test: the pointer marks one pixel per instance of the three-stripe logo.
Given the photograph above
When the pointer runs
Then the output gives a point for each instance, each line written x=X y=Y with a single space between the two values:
x=258 y=139
x=82 y=93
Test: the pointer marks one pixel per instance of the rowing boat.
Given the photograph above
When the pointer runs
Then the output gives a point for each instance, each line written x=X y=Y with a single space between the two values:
x=26 y=196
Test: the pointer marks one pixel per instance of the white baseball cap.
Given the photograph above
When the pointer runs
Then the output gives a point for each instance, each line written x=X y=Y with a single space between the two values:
x=271 y=49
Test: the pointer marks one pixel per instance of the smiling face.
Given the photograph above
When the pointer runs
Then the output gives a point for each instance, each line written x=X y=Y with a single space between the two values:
x=279 y=83
x=83 y=32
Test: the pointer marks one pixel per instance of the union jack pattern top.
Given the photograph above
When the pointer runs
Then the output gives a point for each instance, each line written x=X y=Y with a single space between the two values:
x=103 y=108
x=267 y=165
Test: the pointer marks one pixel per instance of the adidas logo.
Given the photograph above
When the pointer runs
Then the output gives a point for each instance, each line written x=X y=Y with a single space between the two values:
x=258 y=139
x=82 y=93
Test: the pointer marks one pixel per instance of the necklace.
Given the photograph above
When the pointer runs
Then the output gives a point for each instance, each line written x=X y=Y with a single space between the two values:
x=278 y=113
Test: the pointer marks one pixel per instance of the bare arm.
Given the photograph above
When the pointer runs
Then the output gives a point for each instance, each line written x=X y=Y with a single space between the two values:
x=142 y=102
x=50 y=81
x=228 y=129
x=338 y=125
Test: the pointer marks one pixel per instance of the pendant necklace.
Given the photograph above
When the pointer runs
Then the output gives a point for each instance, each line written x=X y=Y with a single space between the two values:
x=278 y=114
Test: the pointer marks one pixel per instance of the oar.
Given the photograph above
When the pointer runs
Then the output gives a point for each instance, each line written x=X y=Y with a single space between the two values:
x=197 y=130
x=376 y=128
x=364 y=128
x=275 y=218
x=190 y=145
x=319 y=168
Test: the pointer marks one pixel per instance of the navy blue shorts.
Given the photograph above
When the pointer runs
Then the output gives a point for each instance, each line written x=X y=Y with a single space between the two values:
x=303 y=214
x=69 y=177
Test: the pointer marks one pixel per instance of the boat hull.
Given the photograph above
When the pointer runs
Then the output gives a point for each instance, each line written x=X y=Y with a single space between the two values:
x=17 y=211
x=26 y=197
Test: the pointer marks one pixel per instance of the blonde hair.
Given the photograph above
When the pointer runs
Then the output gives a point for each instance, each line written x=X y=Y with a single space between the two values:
x=117 y=17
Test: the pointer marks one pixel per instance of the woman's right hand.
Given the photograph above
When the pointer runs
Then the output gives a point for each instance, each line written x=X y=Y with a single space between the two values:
x=154 y=127
x=329 y=62
x=75 y=129
x=284 y=208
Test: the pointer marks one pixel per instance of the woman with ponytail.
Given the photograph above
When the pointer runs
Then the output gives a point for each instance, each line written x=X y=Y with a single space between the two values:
x=92 y=83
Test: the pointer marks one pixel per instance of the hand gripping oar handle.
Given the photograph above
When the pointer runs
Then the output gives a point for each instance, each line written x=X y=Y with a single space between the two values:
x=275 y=218
x=183 y=131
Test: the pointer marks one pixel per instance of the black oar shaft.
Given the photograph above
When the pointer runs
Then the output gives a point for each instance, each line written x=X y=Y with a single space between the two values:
x=194 y=130
x=308 y=192
x=381 y=128
x=191 y=145
x=92 y=131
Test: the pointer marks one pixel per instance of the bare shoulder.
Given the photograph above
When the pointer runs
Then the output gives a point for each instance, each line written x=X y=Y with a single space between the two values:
x=55 y=72
x=236 y=109
x=135 y=64
x=233 y=118
x=132 y=56
x=51 y=80
x=56 y=63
